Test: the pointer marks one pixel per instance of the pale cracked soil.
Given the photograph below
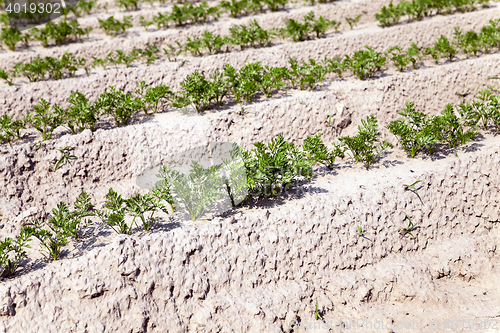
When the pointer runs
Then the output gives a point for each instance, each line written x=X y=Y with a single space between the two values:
x=263 y=267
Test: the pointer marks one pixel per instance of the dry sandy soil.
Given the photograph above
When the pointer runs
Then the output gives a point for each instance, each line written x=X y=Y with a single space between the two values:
x=263 y=267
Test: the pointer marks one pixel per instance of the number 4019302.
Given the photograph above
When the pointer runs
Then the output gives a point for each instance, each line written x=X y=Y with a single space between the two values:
x=40 y=8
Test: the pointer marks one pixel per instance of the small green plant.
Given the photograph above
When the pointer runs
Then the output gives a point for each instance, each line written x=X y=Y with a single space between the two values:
x=112 y=26
x=353 y=21
x=219 y=88
x=194 y=46
x=172 y=52
x=195 y=192
x=275 y=167
x=415 y=131
x=10 y=37
x=317 y=151
x=85 y=7
x=398 y=57
x=365 y=146
x=120 y=57
x=251 y=35
x=250 y=80
x=17 y=247
x=320 y=26
x=414 y=55
x=99 y=62
x=234 y=7
x=389 y=15
x=309 y=27
x=234 y=176
x=412 y=187
x=9 y=129
x=161 y=20
x=119 y=105
x=484 y=110
x=193 y=14
x=444 y=46
x=330 y=121
x=62 y=224
x=145 y=23
x=196 y=91
x=114 y=217
x=52 y=241
x=4 y=20
x=149 y=53
x=310 y=73
x=34 y=70
x=316 y=313
x=57 y=69
x=469 y=42
x=213 y=43
x=273 y=79
x=60 y=32
x=128 y=4
x=360 y=231
x=4 y=75
x=139 y=205
x=335 y=65
x=449 y=128
x=296 y=30
x=408 y=230
x=154 y=97
x=275 y=5
x=415 y=10
x=65 y=156
x=81 y=209
x=45 y=121
x=434 y=52
x=81 y=114
x=365 y=63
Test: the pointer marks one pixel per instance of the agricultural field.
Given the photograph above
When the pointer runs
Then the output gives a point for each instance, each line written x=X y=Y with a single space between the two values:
x=251 y=166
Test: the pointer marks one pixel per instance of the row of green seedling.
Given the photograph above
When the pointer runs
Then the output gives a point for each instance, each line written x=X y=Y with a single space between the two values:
x=82 y=114
x=56 y=33
x=40 y=69
x=418 y=132
x=253 y=79
x=363 y=63
x=129 y=5
x=53 y=232
x=196 y=91
x=200 y=14
x=415 y=10
x=469 y=43
x=254 y=36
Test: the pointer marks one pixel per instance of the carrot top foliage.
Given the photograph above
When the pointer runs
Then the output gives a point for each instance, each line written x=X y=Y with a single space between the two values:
x=415 y=10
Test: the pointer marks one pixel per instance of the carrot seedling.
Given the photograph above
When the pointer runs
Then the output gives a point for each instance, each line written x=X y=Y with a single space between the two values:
x=411 y=226
x=360 y=231
x=65 y=157
x=114 y=217
x=17 y=246
x=412 y=186
x=317 y=316
x=366 y=146
x=353 y=21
